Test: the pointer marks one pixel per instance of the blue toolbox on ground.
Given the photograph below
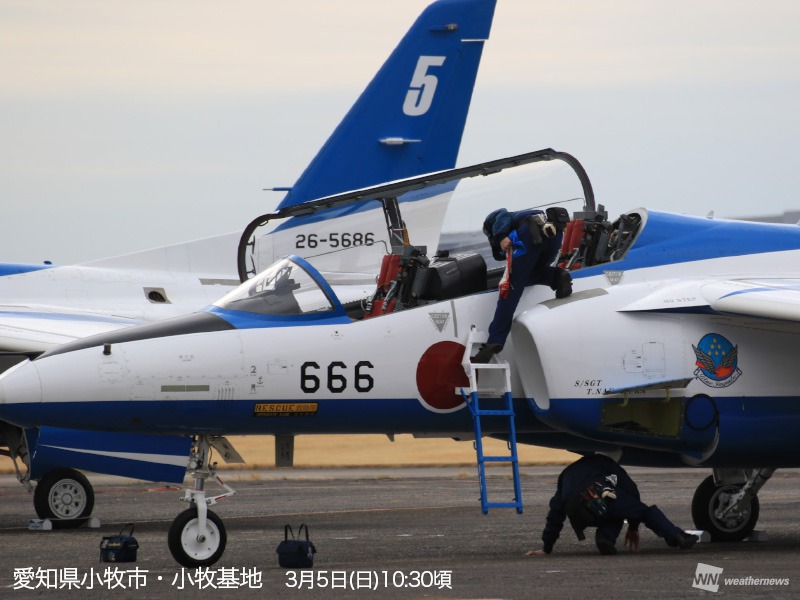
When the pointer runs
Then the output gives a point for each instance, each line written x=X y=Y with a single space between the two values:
x=119 y=548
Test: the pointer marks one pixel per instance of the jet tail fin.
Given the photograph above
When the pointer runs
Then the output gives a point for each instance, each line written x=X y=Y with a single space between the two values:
x=410 y=118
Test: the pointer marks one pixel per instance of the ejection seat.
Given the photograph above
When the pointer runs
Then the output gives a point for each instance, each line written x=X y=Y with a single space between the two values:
x=573 y=235
x=594 y=240
x=408 y=279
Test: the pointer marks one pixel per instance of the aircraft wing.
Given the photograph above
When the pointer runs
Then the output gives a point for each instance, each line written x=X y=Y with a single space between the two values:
x=768 y=298
x=26 y=329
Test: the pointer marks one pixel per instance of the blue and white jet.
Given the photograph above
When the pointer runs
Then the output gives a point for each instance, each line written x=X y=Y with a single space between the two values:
x=409 y=120
x=675 y=348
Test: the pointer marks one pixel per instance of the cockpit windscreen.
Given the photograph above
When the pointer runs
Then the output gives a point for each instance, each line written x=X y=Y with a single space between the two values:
x=285 y=288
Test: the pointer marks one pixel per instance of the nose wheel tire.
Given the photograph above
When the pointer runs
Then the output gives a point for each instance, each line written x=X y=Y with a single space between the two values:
x=736 y=525
x=191 y=549
x=64 y=494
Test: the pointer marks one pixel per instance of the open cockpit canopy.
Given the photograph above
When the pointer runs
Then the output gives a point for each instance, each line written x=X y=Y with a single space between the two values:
x=419 y=239
x=456 y=201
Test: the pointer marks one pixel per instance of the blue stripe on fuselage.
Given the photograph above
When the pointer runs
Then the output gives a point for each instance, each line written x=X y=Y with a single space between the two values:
x=761 y=290
x=238 y=417
x=668 y=238
x=247 y=320
x=20 y=269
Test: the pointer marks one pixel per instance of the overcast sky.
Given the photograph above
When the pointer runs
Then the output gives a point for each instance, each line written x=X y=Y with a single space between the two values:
x=128 y=125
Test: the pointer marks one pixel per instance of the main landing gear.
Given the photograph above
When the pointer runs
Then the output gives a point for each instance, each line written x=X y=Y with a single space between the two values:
x=726 y=504
x=61 y=495
x=197 y=536
x=64 y=494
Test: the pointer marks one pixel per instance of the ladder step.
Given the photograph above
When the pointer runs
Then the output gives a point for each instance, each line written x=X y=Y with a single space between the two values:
x=504 y=505
x=496 y=366
x=482 y=392
x=499 y=459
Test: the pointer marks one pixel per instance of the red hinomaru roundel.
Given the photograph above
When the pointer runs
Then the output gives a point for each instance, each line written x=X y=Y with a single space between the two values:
x=439 y=373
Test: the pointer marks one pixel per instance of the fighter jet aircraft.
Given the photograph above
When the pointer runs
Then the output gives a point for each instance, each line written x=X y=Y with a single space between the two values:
x=409 y=120
x=286 y=353
x=672 y=350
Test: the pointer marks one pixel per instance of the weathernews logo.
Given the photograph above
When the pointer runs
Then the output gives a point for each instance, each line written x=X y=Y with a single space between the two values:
x=708 y=578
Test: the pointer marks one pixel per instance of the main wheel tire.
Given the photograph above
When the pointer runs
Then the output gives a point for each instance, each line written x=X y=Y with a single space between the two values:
x=64 y=494
x=185 y=546
x=707 y=499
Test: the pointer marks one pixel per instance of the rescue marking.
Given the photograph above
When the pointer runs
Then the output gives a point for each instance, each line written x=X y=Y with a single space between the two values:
x=286 y=409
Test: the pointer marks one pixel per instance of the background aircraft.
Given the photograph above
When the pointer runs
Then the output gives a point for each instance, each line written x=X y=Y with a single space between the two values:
x=408 y=120
x=666 y=353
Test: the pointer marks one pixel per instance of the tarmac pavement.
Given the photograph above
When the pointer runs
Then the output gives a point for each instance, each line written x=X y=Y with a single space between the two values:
x=392 y=533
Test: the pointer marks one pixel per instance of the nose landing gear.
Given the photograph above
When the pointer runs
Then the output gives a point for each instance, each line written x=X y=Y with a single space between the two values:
x=195 y=546
x=197 y=537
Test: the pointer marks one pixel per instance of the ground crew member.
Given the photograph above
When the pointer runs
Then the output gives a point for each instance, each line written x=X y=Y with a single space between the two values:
x=595 y=491
x=534 y=237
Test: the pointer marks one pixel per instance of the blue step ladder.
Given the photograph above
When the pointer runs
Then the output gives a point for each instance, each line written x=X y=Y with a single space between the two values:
x=498 y=372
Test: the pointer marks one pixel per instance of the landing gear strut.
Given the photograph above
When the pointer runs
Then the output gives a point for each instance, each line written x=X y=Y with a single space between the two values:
x=726 y=505
x=197 y=536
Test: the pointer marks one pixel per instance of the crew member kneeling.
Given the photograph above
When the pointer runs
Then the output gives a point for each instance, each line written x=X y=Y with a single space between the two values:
x=597 y=492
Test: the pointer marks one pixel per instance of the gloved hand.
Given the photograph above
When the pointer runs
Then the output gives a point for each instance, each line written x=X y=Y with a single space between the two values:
x=541 y=228
x=549 y=229
x=608 y=493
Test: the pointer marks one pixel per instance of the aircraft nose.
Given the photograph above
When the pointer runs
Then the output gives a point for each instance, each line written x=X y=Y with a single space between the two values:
x=20 y=394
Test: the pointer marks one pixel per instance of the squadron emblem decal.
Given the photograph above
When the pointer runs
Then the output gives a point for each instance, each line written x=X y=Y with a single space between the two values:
x=716 y=361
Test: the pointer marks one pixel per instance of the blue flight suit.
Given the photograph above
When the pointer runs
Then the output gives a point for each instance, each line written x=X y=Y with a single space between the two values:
x=582 y=473
x=532 y=268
